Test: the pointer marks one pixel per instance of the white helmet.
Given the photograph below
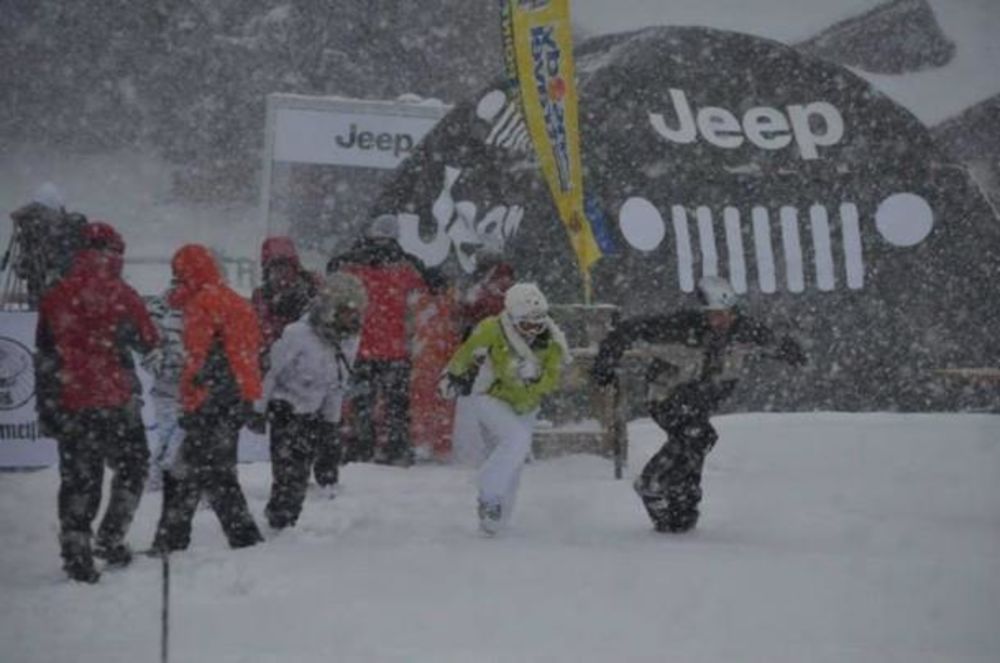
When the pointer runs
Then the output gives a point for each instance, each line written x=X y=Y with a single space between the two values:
x=524 y=301
x=715 y=293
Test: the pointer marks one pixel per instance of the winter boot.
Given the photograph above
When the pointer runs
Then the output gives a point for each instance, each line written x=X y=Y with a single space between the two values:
x=78 y=561
x=490 y=516
x=118 y=554
x=169 y=541
x=403 y=458
x=79 y=565
x=326 y=472
x=82 y=570
x=244 y=536
x=677 y=522
x=278 y=520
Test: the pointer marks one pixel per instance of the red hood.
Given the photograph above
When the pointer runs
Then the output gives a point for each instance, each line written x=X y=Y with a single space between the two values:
x=279 y=248
x=90 y=264
x=194 y=268
x=103 y=237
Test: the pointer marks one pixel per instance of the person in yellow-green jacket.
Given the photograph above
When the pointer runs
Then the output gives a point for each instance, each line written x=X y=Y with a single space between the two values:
x=514 y=359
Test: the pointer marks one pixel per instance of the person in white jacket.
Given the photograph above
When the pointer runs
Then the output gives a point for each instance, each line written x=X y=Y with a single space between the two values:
x=311 y=365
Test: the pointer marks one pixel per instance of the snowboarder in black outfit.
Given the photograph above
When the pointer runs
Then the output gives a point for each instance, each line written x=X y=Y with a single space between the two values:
x=706 y=347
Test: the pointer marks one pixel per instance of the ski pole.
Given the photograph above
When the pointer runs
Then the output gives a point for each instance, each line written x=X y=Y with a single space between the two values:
x=618 y=428
x=165 y=609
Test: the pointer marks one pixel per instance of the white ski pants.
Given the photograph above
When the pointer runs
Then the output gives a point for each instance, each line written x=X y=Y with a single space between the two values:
x=469 y=447
x=509 y=435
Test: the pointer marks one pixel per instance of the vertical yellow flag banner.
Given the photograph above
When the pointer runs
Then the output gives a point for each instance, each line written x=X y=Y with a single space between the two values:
x=538 y=53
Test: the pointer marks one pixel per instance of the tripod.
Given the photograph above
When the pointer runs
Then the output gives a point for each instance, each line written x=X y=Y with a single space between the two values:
x=14 y=294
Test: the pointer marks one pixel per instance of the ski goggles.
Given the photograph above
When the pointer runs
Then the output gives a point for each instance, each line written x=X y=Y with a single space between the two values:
x=530 y=327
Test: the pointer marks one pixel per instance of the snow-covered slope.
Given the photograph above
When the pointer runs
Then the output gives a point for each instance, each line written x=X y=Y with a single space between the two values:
x=825 y=537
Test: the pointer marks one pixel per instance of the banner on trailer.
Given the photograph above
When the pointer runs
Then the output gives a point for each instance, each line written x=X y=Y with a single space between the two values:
x=828 y=206
x=342 y=132
x=539 y=59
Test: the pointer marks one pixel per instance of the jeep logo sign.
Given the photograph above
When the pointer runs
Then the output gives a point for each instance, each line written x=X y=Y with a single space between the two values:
x=712 y=152
x=350 y=138
x=767 y=128
x=399 y=144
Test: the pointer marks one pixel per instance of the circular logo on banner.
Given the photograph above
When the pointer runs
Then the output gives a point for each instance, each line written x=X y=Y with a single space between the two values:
x=17 y=374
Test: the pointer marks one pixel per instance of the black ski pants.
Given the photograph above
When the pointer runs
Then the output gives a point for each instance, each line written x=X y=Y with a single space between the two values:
x=207 y=465
x=391 y=380
x=88 y=440
x=670 y=483
x=296 y=442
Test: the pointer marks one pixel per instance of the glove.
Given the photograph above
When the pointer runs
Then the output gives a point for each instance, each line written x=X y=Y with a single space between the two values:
x=602 y=375
x=49 y=424
x=187 y=421
x=528 y=370
x=447 y=388
x=153 y=362
x=256 y=422
x=134 y=411
x=790 y=351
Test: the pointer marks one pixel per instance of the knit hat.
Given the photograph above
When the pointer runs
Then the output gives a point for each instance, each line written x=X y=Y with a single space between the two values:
x=327 y=315
x=101 y=236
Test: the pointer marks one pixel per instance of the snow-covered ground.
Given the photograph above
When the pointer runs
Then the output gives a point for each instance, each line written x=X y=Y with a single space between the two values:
x=825 y=537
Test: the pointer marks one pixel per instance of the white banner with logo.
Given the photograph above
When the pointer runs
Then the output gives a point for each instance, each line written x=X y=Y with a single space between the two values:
x=347 y=132
x=20 y=442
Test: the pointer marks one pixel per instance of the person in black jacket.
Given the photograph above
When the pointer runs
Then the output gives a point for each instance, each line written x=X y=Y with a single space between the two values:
x=705 y=349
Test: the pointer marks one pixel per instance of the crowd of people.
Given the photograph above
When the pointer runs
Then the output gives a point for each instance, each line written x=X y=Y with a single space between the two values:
x=304 y=351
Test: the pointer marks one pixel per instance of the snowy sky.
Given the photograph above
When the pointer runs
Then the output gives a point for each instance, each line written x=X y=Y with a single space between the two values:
x=932 y=96
x=767 y=18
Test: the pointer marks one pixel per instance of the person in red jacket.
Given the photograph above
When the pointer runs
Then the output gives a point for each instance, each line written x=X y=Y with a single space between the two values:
x=383 y=365
x=285 y=291
x=219 y=382
x=87 y=398
x=484 y=295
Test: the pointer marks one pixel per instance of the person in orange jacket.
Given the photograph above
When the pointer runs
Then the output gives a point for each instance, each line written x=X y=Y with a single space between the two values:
x=219 y=382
